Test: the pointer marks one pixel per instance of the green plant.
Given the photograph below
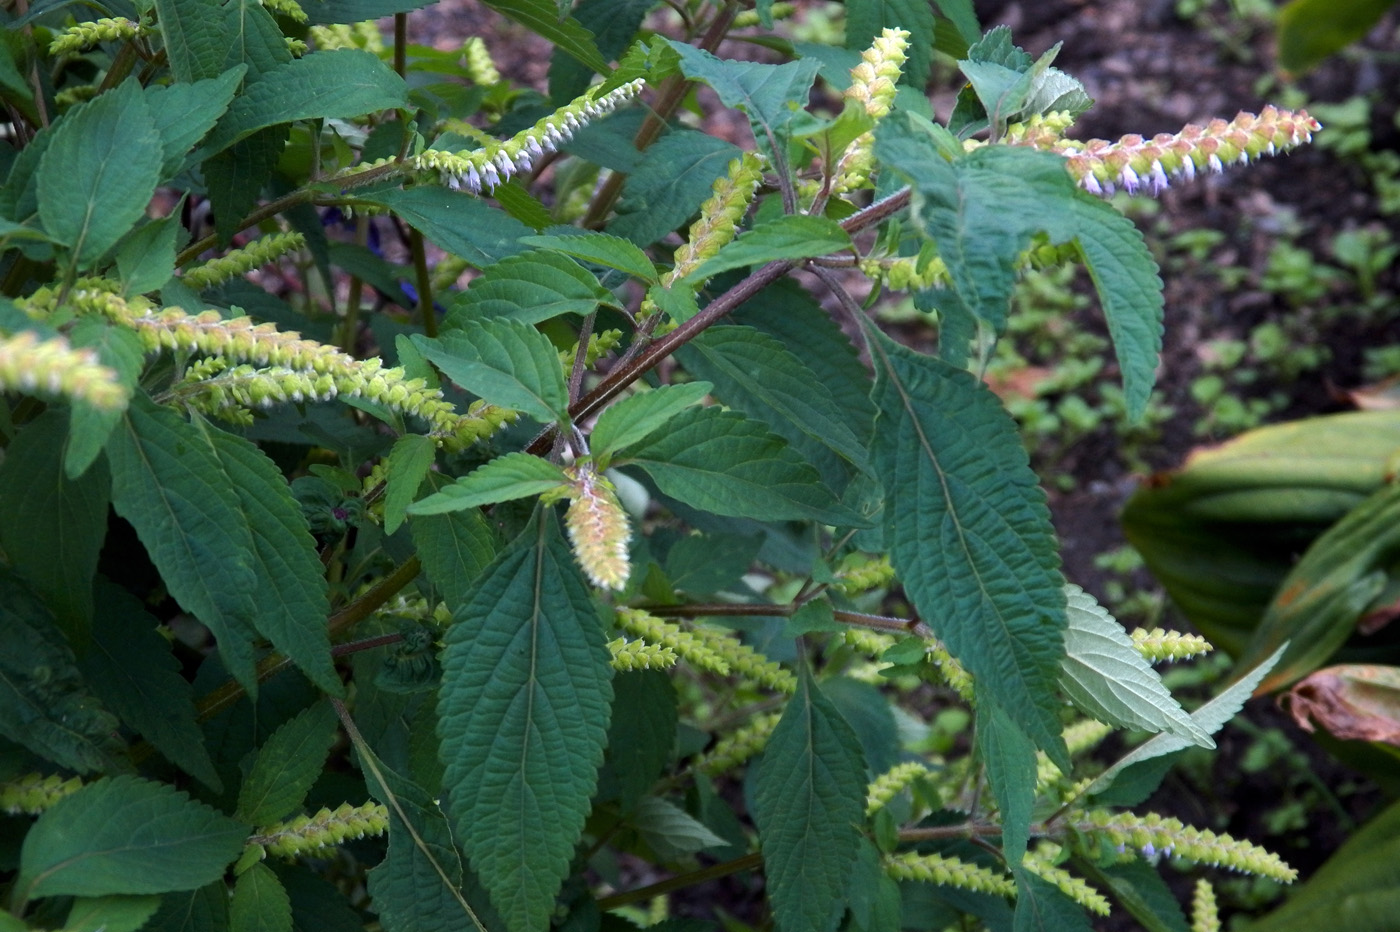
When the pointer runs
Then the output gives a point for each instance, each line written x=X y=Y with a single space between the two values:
x=377 y=628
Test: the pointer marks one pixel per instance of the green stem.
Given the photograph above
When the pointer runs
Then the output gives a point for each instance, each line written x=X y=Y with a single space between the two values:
x=884 y=623
x=425 y=283
x=351 y=324
x=714 y=872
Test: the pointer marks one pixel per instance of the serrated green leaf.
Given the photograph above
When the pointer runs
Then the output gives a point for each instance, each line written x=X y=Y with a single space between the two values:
x=119 y=349
x=1008 y=757
x=866 y=19
x=456 y=221
x=110 y=913
x=171 y=486
x=1309 y=30
x=754 y=373
x=288 y=763
x=601 y=249
x=1140 y=889
x=722 y=462
x=422 y=885
x=131 y=669
x=1041 y=907
x=184 y=112
x=290 y=600
x=146 y=256
x=52 y=527
x=202 y=910
x=543 y=18
x=259 y=904
x=668 y=185
x=809 y=804
x=632 y=418
x=1210 y=718
x=506 y=362
x=875 y=899
x=769 y=94
x=409 y=462
x=669 y=830
x=970 y=533
x=323 y=85
x=126 y=835
x=44 y=703
x=505 y=478
x=317 y=905
x=523 y=714
x=531 y=287
x=521 y=204
x=1107 y=677
x=703 y=564
x=323 y=12
x=863 y=706
x=613 y=23
x=641 y=735
x=236 y=176
x=454 y=548
x=791 y=236
x=99 y=172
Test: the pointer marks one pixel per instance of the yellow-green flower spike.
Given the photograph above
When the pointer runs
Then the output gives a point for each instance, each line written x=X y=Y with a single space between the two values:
x=948 y=872
x=82 y=36
x=1153 y=834
x=365 y=35
x=32 y=793
x=239 y=262
x=480 y=66
x=1148 y=166
x=687 y=646
x=749 y=18
x=52 y=368
x=639 y=655
x=1159 y=646
x=719 y=218
x=306 y=834
x=598 y=528
x=738 y=746
x=953 y=673
x=1071 y=886
x=481 y=170
x=873 y=87
x=891 y=783
x=747 y=662
x=859 y=573
x=871 y=643
x=291 y=9
x=1080 y=737
x=598 y=344
x=1205 y=916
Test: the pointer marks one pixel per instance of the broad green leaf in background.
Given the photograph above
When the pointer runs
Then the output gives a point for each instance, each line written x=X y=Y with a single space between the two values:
x=119 y=349
x=259 y=903
x=458 y=222
x=290 y=600
x=613 y=23
x=506 y=362
x=184 y=112
x=408 y=464
x=522 y=718
x=236 y=176
x=343 y=83
x=44 y=704
x=201 y=910
x=865 y=19
x=543 y=18
x=1008 y=757
x=193 y=41
x=1311 y=30
x=171 y=486
x=454 y=548
x=641 y=735
x=970 y=533
x=809 y=803
x=769 y=94
x=629 y=420
x=110 y=913
x=790 y=236
x=146 y=256
x=52 y=527
x=131 y=668
x=727 y=464
x=531 y=287
x=670 y=831
x=323 y=12
x=126 y=835
x=288 y=763
x=669 y=184
x=601 y=249
x=1108 y=678
x=1140 y=889
x=508 y=477
x=99 y=172
x=1042 y=907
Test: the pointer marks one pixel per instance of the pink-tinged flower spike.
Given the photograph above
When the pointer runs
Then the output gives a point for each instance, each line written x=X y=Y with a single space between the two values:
x=598 y=528
x=1135 y=164
x=873 y=87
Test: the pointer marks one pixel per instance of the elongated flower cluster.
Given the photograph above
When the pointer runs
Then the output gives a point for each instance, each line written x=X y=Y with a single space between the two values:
x=687 y=646
x=1152 y=833
x=873 y=87
x=598 y=344
x=305 y=834
x=746 y=662
x=948 y=872
x=738 y=746
x=1205 y=916
x=365 y=35
x=483 y=169
x=870 y=643
x=891 y=783
x=1148 y=166
x=237 y=262
x=291 y=9
x=1071 y=886
x=1084 y=735
x=1159 y=646
x=748 y=18
x=597 y=527
x=859 y=573
x=480 y=67
x=952 y=672
x=639 y=655
x=32 y=793
x=53 y=368
x=82 y=36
